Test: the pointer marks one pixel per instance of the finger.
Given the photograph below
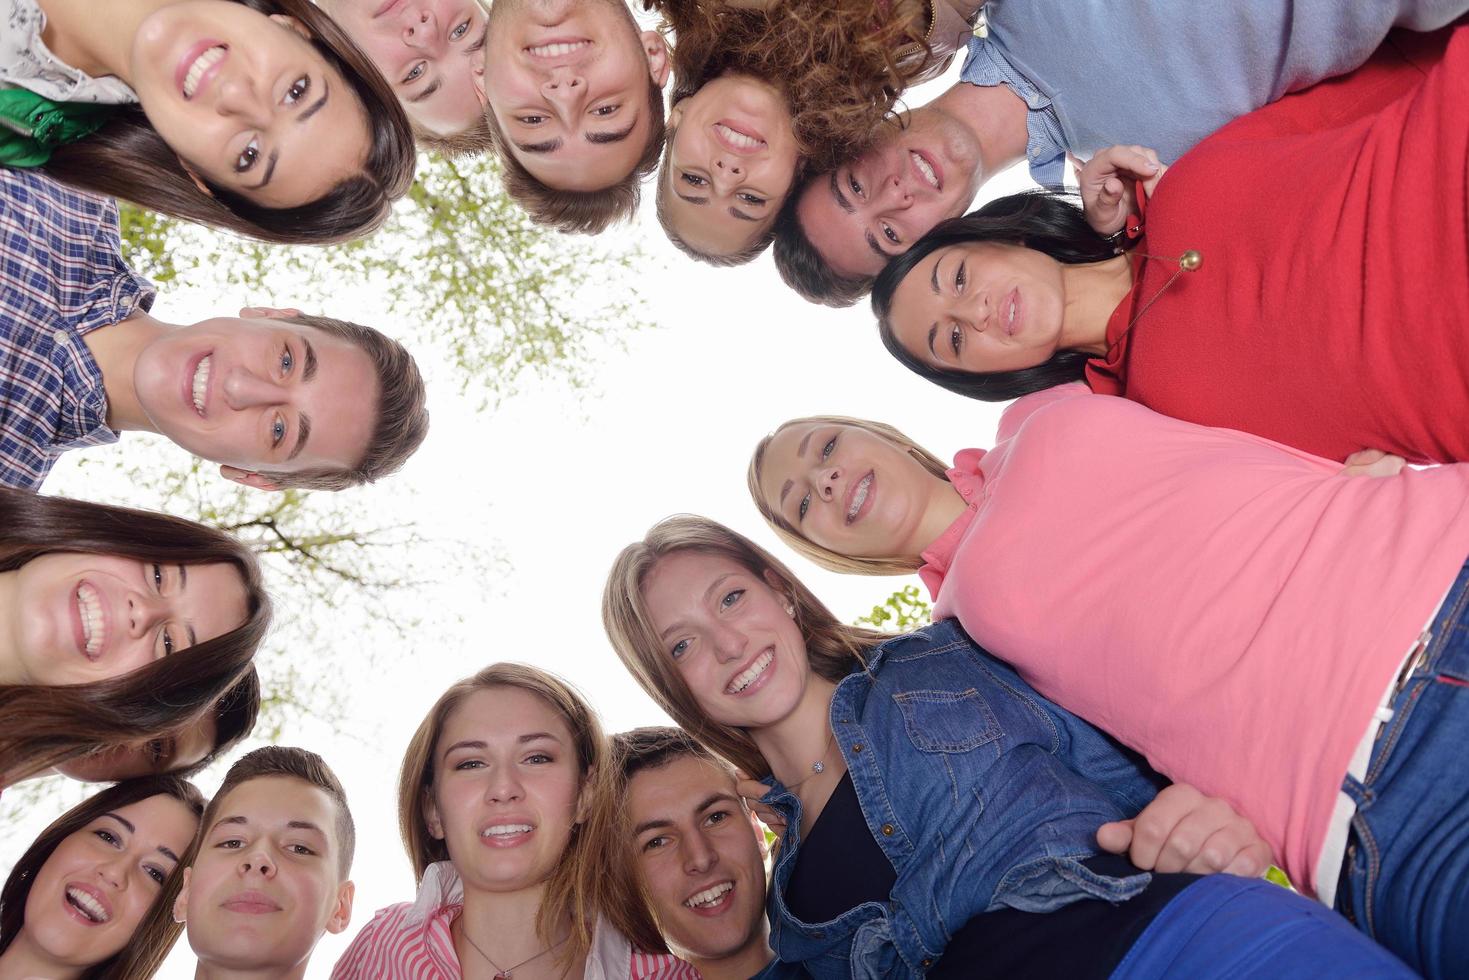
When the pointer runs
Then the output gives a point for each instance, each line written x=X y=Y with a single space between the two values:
x=1154 y=825
x=1364 y=457
x=1252 y=862
x=1115 y=837
x=751 y=789
x=1205 y=839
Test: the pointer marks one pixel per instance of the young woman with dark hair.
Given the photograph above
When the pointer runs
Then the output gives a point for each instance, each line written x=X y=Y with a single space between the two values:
x=762 y=90
x=940 y=817
x=92 y=896
x=257 y=116
x=1303 y=281
x=120 y=626
x=1241 y=613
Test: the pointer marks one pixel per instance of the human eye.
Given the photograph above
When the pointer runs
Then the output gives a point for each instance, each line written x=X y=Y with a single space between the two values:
x=277 y=431
x=539 y=759
x=248 y=156
x=752 y=199
x=460 y=30
x=157 y=576
x=159 y=751
x=826 y=450
x=298 y=90
x=416 y=72
x=532 y=119
x=156 y=873
x=804 y=506
x=167 y=640
x=655 y=843
x=603 y=111
x=300 y=850
x=730 y=598
x=961 y=278
x=230 y=844
x=464 y=765
x=107 y=837
x=717 y=817
x=693 y=180
x=955 y=339
x=855 y=185
x=889 y=234
x=288 y=360
x=679 y=649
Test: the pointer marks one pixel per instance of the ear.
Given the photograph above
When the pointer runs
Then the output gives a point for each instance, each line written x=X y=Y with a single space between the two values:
x=194 y=176
x=656 y=48
x=431 y=816
x=584 y=799
x=759 y=829
x=291 y=23
x=181 y=904
x=268 y=312
x=477 y=78
x=675 y=116
x=775 y=582
x=246 y=478
x=342 y=911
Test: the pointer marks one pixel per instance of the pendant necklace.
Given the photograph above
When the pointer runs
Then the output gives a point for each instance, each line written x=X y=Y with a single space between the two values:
x=818 y=767
x=507 y=973
x=1189 y=261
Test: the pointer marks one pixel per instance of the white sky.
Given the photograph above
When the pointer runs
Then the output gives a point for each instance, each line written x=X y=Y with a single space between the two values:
x=558 y=484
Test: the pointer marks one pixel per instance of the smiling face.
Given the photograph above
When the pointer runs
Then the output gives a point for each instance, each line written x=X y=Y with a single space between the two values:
x=93 y=617
x=849 y=490
x=93 y=891
x=179 y=750
x=506 y=789
x=863 y=213
x=981 y=307
x=699 y=854
x=259 y=394
x=247 y=102
x=567 y=81
x=728 y=633
x=266 y=882
x=430 y=51
x=731 y=161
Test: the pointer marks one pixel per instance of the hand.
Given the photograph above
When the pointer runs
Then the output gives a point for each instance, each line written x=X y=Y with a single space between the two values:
x=1373 y=462
x=1107 y=196
x=751 y=790
x=1184 y=830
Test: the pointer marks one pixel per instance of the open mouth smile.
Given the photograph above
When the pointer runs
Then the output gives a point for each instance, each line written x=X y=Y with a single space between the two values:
x=196 y=71
x=710 y=898
x=858 y=497
x=750 y=674
x=557 y=49
x=199 y=385
x=737 y=140
x=93 y=620
x=87 y=905
x=926 y=170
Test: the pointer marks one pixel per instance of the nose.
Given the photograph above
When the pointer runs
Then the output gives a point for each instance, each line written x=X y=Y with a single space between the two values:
x=145 y=611
x=420 y=29
x=243 y=388
x=699 y=856
x=238 y=97
x=980 y=311
x=727 y=175
x=503 y=785
x=729 y=643
x=565 y=87
x=826 y=480
x=112 y=872
x=254 y=859
x=894 y=194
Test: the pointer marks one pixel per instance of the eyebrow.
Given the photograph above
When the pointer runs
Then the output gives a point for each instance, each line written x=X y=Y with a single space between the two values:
x=326 y=92
x=423 y=95
x=711 y=800
x=304 y=825
x=701 y=201
x=303 y=432
x=841 y=198
x=737 y=213
x=183 y=586
x=616 y=136
x=269 y=170
x=800 y=451
x=308 y=372
x=872 y=244
x=550 y=146
x=122 y=820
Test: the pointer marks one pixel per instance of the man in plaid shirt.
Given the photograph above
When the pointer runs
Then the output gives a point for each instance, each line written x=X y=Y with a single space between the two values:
x=278 y=399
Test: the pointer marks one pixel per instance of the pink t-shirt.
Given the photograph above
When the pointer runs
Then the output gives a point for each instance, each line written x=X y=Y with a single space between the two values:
x=1230 y=607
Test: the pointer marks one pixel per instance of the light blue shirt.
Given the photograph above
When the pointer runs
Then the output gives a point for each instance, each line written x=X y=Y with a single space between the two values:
x=1167 y=73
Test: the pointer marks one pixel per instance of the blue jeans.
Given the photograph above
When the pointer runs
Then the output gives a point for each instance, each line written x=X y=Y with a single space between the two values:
x=1405 y=881
x=1227 y=928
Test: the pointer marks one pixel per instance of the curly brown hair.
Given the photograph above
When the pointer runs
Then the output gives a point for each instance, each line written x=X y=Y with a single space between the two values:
x=840 y=83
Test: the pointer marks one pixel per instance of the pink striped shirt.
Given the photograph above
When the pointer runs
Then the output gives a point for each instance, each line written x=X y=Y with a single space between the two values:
x=412 y=941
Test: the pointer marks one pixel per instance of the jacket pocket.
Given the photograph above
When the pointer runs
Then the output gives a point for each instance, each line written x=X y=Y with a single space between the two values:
x=947 y=721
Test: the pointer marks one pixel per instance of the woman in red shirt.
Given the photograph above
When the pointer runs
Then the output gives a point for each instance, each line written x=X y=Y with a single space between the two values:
x=1327 y=288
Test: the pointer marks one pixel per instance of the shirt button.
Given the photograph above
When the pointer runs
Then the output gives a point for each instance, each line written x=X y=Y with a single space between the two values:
x=59 y=336
x=856 y=747
x=926 y=963
x=887 y=830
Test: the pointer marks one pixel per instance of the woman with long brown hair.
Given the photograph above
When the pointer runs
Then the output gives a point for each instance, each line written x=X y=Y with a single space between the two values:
x=258 y=116
x=764 y=90
x=92 y=897
x=502 y=806
x=941 y=818
x=116 y=626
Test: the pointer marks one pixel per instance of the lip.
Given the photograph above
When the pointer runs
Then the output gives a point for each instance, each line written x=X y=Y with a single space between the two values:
x=79 y=633
x=77 y=913
x=758 y=683
x=851 y=494
x=250 y=903
x=743 y=129
x=506 y=840
x=191 y=368
x=566 y=57
x=918 y=175
x=187 y=62
x=386 y=6
x=720 y=907
x=1013 y=296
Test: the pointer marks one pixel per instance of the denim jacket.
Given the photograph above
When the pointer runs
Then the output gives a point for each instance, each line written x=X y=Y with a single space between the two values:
x=980 y=792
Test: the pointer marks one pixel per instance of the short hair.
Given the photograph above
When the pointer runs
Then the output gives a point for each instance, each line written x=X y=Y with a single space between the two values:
x=282 y=760
x=748 y=254
x=803 y=268
x=466 y=143
x=656 y=746
x=402 y=416
x=580 y=212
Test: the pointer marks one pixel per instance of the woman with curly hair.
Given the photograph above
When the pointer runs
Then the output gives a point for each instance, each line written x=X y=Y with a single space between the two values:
x=257 y=116
x=764 y=89
x=117 y=627
x=91 y=898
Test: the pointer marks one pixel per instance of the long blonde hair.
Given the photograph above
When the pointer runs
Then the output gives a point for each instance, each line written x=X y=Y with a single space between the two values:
x=825 y=557
x=833 y=648
x=588 y=881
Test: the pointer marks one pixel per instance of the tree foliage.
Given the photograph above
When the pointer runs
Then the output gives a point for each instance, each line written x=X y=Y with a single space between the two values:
x=903 y=611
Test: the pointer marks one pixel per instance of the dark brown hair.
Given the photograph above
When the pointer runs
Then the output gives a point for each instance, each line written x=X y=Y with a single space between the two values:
x=802 y=267
x=833 y=649
x=127 y=158
x=471 y=142
x=283 y=760
x=653 y=747
x=157 y=932
x=580 y=212
x=402 y=417
x=838 y=62
x=42 y=726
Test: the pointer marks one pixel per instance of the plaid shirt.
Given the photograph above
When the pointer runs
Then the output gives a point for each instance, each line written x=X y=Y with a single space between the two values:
x=61 y=277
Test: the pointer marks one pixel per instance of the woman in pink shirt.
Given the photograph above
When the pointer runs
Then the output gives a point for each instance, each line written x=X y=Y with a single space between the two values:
x=1240 y=612
x=501 y=802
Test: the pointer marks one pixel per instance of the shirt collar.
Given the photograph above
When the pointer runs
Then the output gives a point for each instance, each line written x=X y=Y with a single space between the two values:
x=967 y=478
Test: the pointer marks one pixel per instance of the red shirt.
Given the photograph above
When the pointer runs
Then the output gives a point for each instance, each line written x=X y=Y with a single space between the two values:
x=1331 y=311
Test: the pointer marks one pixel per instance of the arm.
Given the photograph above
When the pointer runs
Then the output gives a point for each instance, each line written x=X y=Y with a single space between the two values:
x=1184 y=830
x=1372 y=462
x=1106 y=185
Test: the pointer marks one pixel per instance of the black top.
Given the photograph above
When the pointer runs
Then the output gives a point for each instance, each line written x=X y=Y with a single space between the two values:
x=841 y=866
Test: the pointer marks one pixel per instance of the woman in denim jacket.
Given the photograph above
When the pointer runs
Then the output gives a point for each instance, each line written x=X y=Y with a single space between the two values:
x=981 y=796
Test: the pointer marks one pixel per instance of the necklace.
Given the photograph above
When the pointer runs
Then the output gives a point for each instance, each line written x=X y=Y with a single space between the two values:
x=1189 y=261
x=506 y=973
x=818 y=767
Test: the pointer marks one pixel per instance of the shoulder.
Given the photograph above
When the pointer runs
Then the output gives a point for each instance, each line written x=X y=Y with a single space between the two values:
x=385 y=940
x=1021 y=410
x=660 y=966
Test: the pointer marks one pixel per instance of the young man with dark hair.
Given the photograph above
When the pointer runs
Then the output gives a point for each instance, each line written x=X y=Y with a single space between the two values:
x=1052 y=78
x=574 y=94
x=277 y=398
x=271 y=872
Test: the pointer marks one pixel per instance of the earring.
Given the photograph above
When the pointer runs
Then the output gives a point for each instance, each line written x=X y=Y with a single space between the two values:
x=790 y=609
